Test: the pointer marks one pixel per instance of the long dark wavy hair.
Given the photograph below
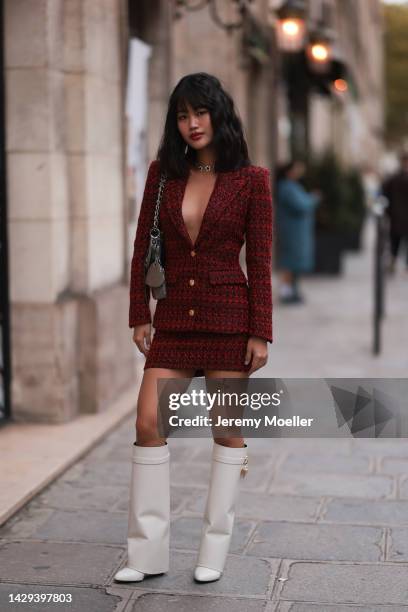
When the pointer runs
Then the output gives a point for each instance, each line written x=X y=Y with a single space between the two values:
x=202 y=90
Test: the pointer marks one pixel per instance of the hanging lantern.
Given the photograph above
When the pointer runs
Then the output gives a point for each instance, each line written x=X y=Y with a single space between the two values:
x=291 y=26
x=319 y=53
x=340 y=85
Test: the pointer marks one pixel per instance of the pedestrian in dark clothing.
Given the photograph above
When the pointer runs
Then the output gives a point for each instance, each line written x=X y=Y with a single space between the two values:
x=395 y=189
x=295 y=230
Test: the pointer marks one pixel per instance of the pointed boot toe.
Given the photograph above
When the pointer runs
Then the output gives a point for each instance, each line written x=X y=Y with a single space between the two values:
x=127 y=574
x=205 y=574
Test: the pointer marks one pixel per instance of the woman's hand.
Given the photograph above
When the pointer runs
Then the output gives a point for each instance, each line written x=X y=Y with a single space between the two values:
x=257 y=348
x=142 y=337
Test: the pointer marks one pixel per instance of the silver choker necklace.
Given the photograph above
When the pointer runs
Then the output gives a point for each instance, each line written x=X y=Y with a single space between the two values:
x=205 y=167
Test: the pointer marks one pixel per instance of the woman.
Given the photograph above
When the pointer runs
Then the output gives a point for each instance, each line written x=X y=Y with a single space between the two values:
x=295 y=223
x=211 y=321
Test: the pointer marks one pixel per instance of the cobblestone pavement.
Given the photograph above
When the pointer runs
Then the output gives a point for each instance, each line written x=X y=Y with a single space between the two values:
x=321 y=524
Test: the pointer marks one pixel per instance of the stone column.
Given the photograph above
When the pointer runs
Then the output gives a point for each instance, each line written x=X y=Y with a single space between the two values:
x=71 y=346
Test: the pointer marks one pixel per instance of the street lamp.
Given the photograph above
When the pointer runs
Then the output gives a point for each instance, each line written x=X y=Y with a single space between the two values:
x=319 y=52
x=340 y=85
x=291 y=25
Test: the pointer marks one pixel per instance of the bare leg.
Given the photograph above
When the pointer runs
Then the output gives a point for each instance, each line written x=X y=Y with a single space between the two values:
x=146 y=421
x=286 y=277
x=230 y=441
x=149 y=507
x=286 y=285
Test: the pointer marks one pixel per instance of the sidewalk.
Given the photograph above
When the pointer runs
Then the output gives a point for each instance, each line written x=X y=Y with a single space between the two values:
x=331 y=335
x=34 y=454
x=321 y=524
x=318 y=522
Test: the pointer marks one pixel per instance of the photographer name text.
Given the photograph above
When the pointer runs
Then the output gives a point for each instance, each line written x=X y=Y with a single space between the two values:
x=267 y=421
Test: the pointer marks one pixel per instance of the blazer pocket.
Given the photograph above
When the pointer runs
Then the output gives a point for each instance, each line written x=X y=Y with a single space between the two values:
x=222 y=277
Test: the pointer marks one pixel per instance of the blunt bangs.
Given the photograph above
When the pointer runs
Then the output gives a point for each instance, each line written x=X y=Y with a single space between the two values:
x=202 y=90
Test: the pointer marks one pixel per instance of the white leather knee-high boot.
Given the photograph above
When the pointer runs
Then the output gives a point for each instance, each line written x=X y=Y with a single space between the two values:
x=228 y=465
x=149 y=514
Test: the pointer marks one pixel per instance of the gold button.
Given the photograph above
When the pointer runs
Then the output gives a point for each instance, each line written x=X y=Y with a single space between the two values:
x=191 y=281
x=191 y=312
x=192 y=253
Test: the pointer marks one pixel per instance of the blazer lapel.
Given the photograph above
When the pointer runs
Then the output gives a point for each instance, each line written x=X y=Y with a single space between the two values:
x=228 y=185
x=227 y=188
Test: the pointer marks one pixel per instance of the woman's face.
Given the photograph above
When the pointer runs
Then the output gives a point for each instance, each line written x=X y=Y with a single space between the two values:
x=195 y=123
x=297 y=171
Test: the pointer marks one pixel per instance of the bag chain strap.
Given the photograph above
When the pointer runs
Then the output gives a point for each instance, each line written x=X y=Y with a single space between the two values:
x=157 y=209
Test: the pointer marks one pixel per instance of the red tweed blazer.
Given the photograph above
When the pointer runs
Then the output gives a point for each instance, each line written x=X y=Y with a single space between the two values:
x=206 y=287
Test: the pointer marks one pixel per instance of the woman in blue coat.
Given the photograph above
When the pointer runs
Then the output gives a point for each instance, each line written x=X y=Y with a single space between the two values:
x=295 y=229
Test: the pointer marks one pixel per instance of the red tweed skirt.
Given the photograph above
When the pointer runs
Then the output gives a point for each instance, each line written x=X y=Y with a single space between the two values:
x=198 y=351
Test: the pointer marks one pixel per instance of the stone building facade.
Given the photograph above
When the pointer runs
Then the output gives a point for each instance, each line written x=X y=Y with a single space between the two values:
x=64 y=82
x=352 y=123
x=70 y=221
